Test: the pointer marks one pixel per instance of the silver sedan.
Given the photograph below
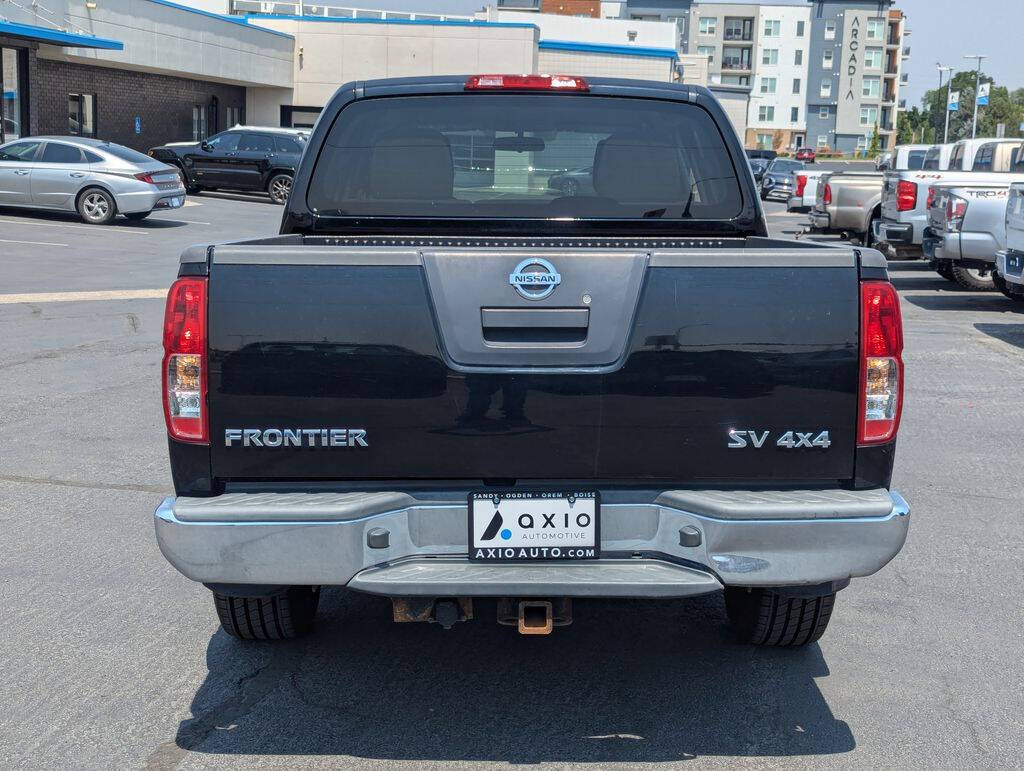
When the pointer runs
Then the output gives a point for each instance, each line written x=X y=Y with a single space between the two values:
x=97 y=179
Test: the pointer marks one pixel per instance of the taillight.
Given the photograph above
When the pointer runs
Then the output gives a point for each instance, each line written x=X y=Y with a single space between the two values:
x=185 y=361
x=526 y=83
x=931 y=198
x=145 y=176
x=956 y=210
x=906 y=195
x=801 y=183
x=881 y=363
x=827 y=196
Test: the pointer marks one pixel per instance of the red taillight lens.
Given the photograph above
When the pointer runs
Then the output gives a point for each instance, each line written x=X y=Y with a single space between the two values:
x=801 y=183
x=906 y=195
x=931 y=198
x=185 y=361
x=526 y=83
x=956 y=210
x=145 y=176
x=881 y=365
x=827 y=196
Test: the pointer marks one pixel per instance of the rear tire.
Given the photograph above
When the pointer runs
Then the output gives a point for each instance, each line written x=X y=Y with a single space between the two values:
x=945 y=269
x=768 y=617
x=284 y=615
x=970 y=278
x=280 y=187
x=96 y=206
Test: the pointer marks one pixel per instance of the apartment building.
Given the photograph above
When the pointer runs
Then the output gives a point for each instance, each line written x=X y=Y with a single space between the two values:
x=856 y=55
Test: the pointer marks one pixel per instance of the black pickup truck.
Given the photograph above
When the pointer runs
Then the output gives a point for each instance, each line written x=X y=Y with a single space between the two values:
x=446 y=380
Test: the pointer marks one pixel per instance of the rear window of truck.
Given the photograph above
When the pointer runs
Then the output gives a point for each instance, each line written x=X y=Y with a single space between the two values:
x=915 y=160
x=499 y=156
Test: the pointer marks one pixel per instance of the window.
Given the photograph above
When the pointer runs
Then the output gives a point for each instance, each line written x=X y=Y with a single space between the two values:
x=931 y=159
x=708 y=25
x=822 y=140
x=796 y=85
x=794 y=114
x=868 y=116
x=225 y=143
x=956 y=160
x=799 y=29
x=826 y=87
x=735 y=58
x=873 y=58
x=983 y=159
x=708 y=51
x=823 y=113
x=19 y=151
x=772 y=28
x=768 y=85
x=798 y=57
x=126 y=153
x=233 y=116
x=198 y=122
x=91 y=157
x=55 y=152
x=770 y=56
x=871 y=87
x=255 y=143
x=862 y=143
x=13 y=67
x=395 y=157
x=764 y=142
x=82 y=114
x=735 y=80
x=288 y=145
x=826 y=58
x=830 y=29
x=739 y=29
x=876 y=29
x=766 y=113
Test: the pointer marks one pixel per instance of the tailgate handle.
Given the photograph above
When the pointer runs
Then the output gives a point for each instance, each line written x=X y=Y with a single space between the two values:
x=535 y=325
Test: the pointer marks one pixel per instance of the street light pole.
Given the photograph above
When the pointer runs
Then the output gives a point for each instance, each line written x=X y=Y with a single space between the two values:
x=977 y=84
x=949 y=87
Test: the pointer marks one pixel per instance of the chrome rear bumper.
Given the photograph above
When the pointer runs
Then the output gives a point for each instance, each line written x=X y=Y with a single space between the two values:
x=764 y=538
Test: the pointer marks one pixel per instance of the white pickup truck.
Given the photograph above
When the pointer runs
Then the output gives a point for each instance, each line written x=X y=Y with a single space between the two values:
x=900 y=231
x=1009 y=272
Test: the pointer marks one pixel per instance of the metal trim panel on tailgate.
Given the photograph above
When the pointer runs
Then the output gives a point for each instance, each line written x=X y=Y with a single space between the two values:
x=780 y=504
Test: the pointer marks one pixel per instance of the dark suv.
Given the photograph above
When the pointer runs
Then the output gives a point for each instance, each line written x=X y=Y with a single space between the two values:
x=241 y=158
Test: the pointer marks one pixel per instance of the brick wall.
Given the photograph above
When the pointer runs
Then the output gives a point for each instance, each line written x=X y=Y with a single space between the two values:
x=164 y=103
x=572 y=7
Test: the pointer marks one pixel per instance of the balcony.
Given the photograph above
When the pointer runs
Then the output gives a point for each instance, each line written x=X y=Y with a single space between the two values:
x=906 y=52
x=733 y=36
x=891 y=68
x=732 y=65
x=889 y=97
x=904 y=78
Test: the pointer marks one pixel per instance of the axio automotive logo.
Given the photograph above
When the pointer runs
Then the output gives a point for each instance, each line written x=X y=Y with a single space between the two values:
x=534 y=278
x=493 y=527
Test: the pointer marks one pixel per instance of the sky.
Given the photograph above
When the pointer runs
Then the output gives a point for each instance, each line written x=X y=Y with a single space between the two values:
x=941 y=30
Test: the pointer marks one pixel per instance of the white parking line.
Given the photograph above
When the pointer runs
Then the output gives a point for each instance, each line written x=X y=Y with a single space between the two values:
x=32 y=243
x=100 y=229
x=66 y=297
x=184 y=222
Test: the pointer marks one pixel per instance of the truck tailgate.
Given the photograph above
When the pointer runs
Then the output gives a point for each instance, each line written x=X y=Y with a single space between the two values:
x=636 y=365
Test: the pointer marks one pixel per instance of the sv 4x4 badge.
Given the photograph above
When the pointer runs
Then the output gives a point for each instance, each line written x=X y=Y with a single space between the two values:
x=789 y=440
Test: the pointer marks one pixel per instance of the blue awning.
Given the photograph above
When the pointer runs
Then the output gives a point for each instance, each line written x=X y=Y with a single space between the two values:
x=57 y=37
x=603 y=48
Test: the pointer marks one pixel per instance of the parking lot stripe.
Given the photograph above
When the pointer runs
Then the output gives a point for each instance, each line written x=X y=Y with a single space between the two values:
x=67 y=297
x=94 y=228
x=33 y=243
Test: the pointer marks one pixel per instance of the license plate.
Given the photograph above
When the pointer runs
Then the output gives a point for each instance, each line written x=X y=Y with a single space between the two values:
x=529 y=526
x=176 y=202
x=1014 y=263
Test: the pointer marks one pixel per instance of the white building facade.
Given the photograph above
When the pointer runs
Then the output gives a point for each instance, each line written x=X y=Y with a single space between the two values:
x=777 y=116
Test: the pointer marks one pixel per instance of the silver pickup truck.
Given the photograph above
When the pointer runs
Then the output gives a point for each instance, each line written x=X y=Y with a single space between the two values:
x=966 y=228
x=848 y=202
x=904 y=213
x=1009 y=271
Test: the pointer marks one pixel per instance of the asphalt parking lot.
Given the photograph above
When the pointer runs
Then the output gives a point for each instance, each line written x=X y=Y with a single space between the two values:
x=111 y=659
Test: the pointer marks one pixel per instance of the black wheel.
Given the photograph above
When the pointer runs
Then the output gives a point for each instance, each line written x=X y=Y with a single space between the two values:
x=945 y=269
x=972 y=278
x=96 y=206
x=869 y=237
x=284 y=615
x=1000 y=284
x=136 y=216
x=767 y=617
x=279 y=187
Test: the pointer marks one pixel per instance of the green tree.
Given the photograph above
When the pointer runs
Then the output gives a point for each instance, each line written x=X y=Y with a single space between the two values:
x=1003 y=107
x=873 y=149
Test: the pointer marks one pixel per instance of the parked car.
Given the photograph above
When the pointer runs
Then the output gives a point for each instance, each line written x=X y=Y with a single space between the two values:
x=777 y=181
x=1009 y=271
x=573 y=182
x=245 y=158
x=806 y=154
x=848 y=202
x=540 y=469
x=805 y=190
x=758 y=166
x=904 y=217
x=966 y=228
x=97 y=179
